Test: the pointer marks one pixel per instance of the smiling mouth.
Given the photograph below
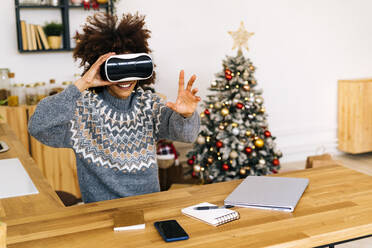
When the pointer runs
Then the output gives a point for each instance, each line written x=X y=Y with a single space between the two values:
x=124 y=85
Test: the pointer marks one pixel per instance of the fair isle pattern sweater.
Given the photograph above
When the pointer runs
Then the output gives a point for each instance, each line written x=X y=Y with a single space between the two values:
x=114 y=140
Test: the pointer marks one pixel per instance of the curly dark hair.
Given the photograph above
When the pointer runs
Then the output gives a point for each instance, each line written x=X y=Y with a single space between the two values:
x=103 y=33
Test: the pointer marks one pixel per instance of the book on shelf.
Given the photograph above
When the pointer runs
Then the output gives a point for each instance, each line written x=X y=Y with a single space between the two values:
x=129 y=220
x=28 y=31
x=38 y=42
x=33 y=38
x=43 y=37
x=213 y=217
x=24 y=36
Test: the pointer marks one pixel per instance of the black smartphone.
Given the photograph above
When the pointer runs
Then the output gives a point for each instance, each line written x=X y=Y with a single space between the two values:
x=170 y=230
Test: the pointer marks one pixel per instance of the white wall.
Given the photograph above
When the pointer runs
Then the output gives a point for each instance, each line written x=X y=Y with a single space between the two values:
x=300 y=48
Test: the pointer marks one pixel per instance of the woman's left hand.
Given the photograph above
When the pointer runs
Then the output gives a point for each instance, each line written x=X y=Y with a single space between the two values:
x=186 y=101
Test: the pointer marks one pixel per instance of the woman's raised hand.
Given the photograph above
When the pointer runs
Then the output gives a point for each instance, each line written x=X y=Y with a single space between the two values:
x=92 y=77
x=187 y=101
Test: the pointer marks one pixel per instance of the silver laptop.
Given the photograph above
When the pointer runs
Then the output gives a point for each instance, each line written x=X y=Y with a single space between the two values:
x=275 y=193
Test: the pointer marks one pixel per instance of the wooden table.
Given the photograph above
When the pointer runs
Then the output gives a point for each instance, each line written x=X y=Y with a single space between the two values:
x=46 y=201
x=336 y=206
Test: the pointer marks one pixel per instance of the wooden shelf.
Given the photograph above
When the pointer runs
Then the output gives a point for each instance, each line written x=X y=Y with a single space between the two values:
x=47 y=51
x=64 y=7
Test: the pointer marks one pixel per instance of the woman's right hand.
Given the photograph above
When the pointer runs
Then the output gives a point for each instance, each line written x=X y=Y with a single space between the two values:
x=92 y=77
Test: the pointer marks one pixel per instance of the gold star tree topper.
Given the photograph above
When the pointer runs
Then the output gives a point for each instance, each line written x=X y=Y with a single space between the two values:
x=241 y=37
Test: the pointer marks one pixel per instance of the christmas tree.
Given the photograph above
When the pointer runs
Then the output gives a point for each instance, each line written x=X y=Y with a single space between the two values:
x=234 y=141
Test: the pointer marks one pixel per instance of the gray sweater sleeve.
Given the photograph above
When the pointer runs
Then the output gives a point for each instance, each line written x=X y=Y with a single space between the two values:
x=51 y=120
x=173 y=126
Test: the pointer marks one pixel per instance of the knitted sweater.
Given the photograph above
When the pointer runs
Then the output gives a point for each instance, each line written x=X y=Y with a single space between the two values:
x=114 y=139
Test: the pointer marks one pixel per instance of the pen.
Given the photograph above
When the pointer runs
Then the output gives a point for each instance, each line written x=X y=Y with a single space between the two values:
x=212 y=207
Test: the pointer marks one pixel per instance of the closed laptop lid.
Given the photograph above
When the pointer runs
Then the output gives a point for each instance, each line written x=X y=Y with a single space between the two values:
x=281 y=193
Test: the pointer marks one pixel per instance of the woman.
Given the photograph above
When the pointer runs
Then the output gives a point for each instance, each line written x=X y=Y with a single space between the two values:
x=113 y=130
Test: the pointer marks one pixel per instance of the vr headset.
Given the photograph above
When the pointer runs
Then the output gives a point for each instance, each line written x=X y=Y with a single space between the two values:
x=127 y=67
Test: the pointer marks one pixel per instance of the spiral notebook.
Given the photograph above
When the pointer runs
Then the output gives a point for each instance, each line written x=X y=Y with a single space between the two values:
x=213 y=217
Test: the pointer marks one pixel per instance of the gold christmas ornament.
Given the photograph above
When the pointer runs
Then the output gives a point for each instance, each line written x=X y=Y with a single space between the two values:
x=233 y=154
x=208 y=138
x=248 y=133
x=200 y=140
x=240 y=37
x=259 y=143
x=214 y=84
x=202 y=114
x=225 y=111
x=234 y=124
x=221 y=127
x=227 y=86
x=246 y=87
x=211 y=106
x=202 y=169
x=251 y=68
x=238 y=73
x=242 y=171
x=196 y=168
x=219 y=158
x=211 y=149
x=262 y=110
x=225 y=124
x=210 y=160
x=218 y=105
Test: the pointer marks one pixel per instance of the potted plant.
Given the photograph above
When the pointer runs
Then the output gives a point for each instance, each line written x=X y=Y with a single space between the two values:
x=54 y=32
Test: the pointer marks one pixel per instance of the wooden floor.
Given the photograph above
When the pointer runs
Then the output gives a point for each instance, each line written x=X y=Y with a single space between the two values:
x=361 y=163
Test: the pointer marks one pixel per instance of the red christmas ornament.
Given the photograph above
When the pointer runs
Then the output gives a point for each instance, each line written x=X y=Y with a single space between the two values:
x=225 y=167
x=276 y=162
x=194 y=157
x=190 y=161
x=248 y=149
x=206 y=111
x=267 y=134
x=219 y=144
x=239 y=105
x=228 y=75
x=274 y=171
x=193 y=174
